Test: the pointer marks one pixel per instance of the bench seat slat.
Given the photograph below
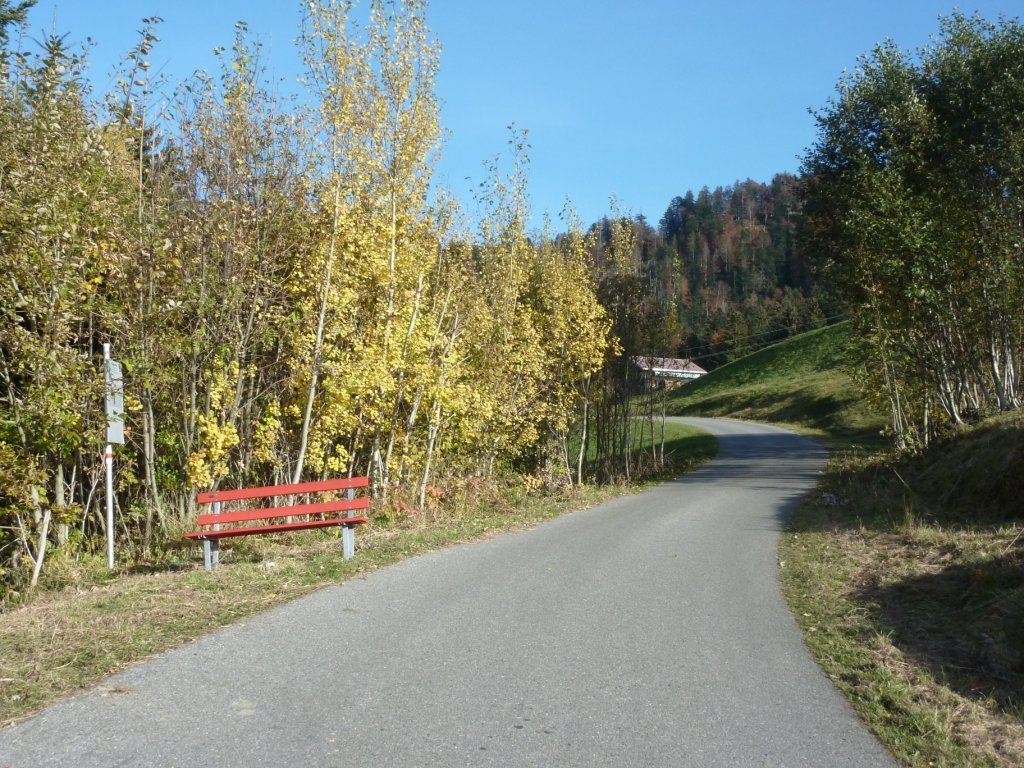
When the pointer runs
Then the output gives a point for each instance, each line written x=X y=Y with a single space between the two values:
x=279 y=527
x=269 y=513
x=266 y=491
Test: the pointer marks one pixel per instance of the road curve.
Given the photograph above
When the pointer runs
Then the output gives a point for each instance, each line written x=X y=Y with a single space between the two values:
x=645 y=632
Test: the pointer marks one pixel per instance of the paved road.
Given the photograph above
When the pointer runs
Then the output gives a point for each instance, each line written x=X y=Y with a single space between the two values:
x=645 y=632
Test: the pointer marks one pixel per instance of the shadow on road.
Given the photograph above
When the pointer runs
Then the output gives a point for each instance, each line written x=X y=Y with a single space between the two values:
x=780 y=463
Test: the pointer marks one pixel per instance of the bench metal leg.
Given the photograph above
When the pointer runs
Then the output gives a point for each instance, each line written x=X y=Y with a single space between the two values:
x=348 y=532
x=348 y=542
x=211 y=553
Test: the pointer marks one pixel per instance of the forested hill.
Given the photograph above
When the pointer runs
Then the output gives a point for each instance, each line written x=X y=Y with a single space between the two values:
x=723 y=273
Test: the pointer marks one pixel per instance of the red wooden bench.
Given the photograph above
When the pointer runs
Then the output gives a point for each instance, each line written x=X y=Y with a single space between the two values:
x=218 y=524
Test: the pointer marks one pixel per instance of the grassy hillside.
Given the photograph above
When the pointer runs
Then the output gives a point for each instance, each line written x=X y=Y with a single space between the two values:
x=802 y=381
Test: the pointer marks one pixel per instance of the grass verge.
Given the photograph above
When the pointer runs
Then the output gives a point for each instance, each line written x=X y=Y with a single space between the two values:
x=86 y=623
x=907 y=578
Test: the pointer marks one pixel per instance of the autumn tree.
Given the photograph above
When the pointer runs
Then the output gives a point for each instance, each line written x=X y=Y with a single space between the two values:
x=53 y=167
x=288 y=294
x=379 y=125
x=913 y=199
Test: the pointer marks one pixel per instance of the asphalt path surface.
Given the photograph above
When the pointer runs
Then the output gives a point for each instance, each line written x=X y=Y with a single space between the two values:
x=648 y=631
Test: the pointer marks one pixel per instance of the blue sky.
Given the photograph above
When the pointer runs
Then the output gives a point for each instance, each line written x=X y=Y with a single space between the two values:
x=642 y=101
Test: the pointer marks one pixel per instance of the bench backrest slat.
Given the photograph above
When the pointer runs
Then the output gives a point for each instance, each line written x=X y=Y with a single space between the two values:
x=268 y=513
x=283 y=490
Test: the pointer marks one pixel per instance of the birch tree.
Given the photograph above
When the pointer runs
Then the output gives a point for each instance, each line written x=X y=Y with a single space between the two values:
x=913 y=199
x=379 y=118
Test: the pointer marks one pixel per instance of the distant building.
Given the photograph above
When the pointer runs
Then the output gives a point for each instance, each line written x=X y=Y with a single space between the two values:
x=670 y=370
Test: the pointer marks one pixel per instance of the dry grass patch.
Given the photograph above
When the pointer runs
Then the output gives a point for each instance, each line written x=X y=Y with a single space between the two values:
x=918 y=616
x=63 y=641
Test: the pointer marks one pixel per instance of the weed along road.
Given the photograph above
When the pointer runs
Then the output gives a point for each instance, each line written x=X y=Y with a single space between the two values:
x=648 y=631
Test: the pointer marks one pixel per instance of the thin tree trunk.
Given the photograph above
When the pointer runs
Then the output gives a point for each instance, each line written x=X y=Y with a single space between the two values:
x=626 y=434
x=44 y=531
x=433 y=427
x=585 y=435
x=400 y=389
x=318 y=342
x=60 y=502
x=149 y=453
x=664 y=400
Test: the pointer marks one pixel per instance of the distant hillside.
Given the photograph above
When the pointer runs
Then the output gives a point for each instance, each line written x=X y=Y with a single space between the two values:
x=803 y=381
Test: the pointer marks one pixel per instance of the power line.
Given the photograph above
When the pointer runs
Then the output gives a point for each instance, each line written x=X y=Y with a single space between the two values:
x=828 y=321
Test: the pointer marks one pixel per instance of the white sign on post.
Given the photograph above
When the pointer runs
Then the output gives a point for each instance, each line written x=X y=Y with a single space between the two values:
x=115 y=402
x=115 y=434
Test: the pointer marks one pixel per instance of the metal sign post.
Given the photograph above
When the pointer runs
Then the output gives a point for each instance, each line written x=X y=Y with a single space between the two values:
x=108 y=460
x=348 y=534
x=115 y=434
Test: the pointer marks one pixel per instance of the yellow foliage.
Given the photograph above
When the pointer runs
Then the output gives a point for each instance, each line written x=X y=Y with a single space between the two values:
x=210 y=462
x=265 y=435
